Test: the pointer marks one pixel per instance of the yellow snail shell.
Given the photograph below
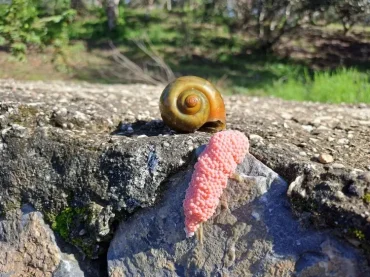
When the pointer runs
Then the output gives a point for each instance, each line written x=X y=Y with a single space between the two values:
x=191 y=103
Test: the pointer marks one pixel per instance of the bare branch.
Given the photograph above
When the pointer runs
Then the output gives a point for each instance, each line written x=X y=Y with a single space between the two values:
x=142 y=74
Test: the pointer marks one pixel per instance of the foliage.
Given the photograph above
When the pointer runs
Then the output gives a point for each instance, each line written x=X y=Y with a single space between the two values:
x=16 y=26
x=23 y=26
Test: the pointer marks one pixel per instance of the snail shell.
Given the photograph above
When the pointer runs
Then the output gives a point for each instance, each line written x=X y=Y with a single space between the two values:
x=191 y=103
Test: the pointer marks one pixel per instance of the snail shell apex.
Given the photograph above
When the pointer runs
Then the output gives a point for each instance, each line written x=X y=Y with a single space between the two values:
x=191 y=103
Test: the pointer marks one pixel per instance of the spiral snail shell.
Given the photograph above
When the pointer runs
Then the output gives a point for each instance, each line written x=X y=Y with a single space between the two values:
x=191 y=103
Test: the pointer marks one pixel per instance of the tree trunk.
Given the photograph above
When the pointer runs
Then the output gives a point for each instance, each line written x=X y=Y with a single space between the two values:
x=169 y=5
x=79 y=6
x=112 y=13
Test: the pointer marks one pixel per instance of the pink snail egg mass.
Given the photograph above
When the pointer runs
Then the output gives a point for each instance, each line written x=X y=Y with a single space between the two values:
x=215 y=165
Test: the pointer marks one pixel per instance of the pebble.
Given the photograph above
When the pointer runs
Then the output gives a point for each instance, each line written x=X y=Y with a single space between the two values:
x=308 y=128
x=166 y=144
x=142 y=136
x=343 y=141
x=321 y=127
x=364 y=123
x=80 y=117
x=330 y=139
x=256 y=215
x=62 y=111
x=338 y=166
x=340 y=195
x=286 y=116
x=256 y=138
x=325 y=158
x=302 y=153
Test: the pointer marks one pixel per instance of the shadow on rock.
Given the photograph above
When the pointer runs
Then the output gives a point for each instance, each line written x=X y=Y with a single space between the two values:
x=142 y=128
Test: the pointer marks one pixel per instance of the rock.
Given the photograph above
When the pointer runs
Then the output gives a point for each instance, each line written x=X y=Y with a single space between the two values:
x=325 y=158
x=355 y=190
x=365 y=176
x=28 y=247
x=338 y=188
x=63 y=152
x=68 y=267
x=343 y=141
x=256 y=236
x=256 y=138
x=308 y=128
x=338 y=166
x=364 y=123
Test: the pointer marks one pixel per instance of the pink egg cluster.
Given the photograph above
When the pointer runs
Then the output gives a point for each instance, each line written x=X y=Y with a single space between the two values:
x=215 y=165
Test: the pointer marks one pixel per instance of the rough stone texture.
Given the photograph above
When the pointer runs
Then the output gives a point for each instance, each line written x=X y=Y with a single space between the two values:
x=255 y=236
x=91 y=155
x=83 y=165
x=28 y=247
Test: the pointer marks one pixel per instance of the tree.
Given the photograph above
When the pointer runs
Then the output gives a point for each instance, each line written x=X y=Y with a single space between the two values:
x=270 y=19
x=351 y=12
x=112 y=11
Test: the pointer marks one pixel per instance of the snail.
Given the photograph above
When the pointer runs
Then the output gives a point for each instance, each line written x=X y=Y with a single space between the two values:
x=191 y=103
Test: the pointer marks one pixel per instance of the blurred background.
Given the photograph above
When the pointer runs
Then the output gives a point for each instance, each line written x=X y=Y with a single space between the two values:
x=294 y=49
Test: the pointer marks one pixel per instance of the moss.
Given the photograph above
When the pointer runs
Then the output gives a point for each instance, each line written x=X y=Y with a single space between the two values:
x=87 y=247
x=63 y=222
x=49 y=217
x=27 y=111
x=358 y=234
x=25 y=114
x=367 y=198
x=69 y=221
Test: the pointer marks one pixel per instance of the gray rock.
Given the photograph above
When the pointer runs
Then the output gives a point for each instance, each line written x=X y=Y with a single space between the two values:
x=75 y=174
x=28 y=247
x=256 y=236
x=72 y=151
x=68 y=267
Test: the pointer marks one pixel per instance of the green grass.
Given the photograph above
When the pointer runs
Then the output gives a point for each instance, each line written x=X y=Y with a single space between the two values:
x=341 y=85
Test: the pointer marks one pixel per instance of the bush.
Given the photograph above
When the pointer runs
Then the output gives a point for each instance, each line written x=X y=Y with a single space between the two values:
x=23 y=25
